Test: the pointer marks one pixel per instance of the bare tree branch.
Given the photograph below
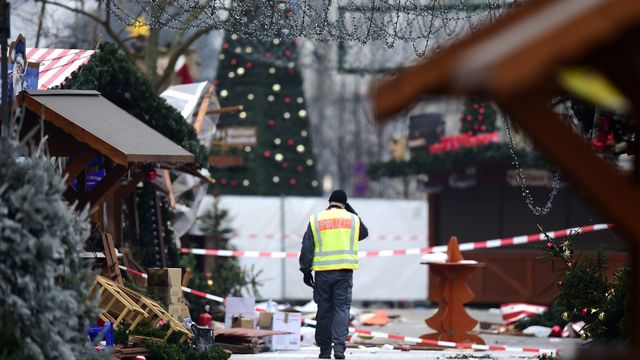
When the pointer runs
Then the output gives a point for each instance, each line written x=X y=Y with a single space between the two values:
x=173 y=58
x=104 y=23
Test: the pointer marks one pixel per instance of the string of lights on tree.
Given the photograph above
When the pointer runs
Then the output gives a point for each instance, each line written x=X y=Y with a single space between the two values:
x=279 y=160
x=410 y=21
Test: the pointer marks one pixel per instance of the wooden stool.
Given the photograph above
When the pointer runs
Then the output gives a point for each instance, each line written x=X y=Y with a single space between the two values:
x=451 y=321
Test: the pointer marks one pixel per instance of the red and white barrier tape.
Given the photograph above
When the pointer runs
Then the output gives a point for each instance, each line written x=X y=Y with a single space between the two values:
x=380 y=237
x=381 y=335
x=487 y=244
x=204 y=295
x=448 y=344
x=134 y=272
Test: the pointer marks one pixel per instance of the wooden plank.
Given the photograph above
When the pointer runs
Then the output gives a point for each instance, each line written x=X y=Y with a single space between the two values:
x=202 y=111
x=123 y=191
x=130 y=263
x=106 y=186
x=186 y=277
x=160 y=227
x=588 y=172
x=167 y=182
x=226 y=109
x=112 y=258
x=78 y=164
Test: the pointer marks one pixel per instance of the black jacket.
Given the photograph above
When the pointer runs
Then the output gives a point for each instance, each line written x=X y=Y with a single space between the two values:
x=308 y=246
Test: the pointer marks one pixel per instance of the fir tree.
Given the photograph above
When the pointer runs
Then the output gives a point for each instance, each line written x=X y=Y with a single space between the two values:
x=478 y=117
x=587 y=294
x=227 y=277
x=282 y=160
x=43 y=282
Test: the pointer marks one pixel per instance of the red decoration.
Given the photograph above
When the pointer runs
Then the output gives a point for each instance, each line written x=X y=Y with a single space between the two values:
x=299 y=168
x=223 y=181
x=287 y=53
x=570 y=265
x=550 y=245
x=266 y=153
x=453 y=143
x=234 y=182
x=287 y=100
x=292 y=181
x=152 y=175
x=285 y=165
x=480 y=117
x=204 y=320
x=481 y=110
x=271 y=122
x=290 y=70
x=560 y=283
x=289 y=13
x=216 y=82
x=469 y=117
x=184 y=75
x=483 y=128
x=290 y=142
x=556 y=331
x=586 y=312
x=249 y=65
x=267 y=54
x=225 y=46
x=234 y=61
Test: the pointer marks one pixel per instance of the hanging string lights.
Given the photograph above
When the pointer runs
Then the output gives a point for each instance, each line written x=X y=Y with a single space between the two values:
x=414 y=22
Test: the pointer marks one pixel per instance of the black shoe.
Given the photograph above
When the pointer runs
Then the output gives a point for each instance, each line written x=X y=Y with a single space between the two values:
x=338 y=355
x=325 y=355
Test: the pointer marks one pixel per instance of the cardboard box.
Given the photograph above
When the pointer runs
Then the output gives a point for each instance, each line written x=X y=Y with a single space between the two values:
x=265 y=321
x=244 y=306
x=240 y=321
x=289 y=322
x=168 y=295
x=171 y=277
x=178 y=311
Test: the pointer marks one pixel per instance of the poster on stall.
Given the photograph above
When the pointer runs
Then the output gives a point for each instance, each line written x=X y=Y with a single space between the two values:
x=23 y=75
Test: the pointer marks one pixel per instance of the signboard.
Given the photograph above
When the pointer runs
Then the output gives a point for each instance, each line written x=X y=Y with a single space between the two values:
x=424 y=130
x=23 y=75
x=535 y=177
x=236 y=136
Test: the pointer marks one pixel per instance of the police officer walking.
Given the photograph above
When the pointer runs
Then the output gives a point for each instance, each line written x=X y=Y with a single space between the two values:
x=330 y=248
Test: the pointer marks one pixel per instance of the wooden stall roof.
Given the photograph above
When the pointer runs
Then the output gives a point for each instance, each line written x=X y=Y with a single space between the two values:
x=523 y=47
x=91 y=119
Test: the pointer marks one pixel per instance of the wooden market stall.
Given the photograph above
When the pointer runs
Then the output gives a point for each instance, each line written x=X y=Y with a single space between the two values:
x=516 y=61
x=83 y=125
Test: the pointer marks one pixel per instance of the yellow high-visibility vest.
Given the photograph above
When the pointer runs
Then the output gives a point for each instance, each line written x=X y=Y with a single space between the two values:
x=335 y=235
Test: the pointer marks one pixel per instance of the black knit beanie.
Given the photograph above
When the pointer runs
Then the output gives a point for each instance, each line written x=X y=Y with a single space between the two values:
x=338 y=196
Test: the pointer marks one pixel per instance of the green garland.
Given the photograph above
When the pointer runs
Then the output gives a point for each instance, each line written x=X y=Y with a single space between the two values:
x=454 y=160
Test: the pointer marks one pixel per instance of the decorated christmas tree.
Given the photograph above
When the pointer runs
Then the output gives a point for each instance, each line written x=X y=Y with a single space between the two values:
x=264 y=149
x=587 y=294
x=478 y=117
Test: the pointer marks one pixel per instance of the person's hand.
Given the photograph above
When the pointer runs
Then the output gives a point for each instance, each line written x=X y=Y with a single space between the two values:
x=308 y=279
x=350 y=209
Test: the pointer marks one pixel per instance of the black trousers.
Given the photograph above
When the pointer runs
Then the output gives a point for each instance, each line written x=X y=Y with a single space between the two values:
x=332 y=293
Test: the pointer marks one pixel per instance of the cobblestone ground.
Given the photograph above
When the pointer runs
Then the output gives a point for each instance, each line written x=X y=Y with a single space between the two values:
x=411 y=323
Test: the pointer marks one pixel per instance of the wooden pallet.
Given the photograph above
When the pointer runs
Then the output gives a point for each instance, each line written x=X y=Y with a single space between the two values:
x=114 y=304
x=157 y=313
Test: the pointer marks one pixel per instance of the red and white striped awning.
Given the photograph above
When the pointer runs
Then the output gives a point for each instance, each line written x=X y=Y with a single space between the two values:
x=57 y=64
